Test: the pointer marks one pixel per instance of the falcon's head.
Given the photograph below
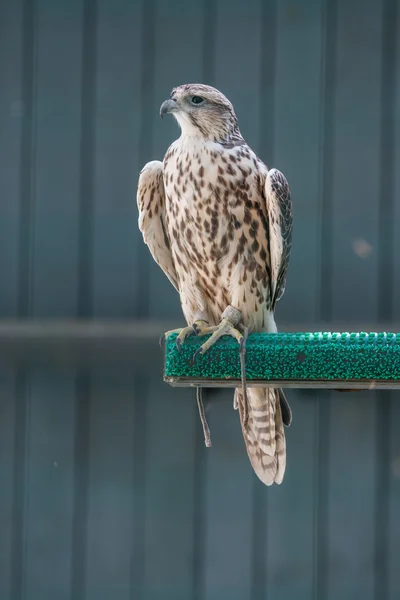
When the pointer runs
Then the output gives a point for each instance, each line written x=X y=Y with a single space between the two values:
x=202 y=111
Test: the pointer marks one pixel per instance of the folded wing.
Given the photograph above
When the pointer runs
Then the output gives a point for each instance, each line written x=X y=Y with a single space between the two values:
x=151 y=205
x=279 y=208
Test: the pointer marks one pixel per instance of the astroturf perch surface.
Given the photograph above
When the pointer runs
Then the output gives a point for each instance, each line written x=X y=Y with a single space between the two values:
x=288 y=357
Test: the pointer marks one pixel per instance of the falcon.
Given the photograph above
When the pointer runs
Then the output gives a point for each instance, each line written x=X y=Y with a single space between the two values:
x=219 y=223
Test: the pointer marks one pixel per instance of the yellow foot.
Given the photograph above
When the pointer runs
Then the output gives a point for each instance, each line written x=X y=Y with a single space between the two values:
x=184 y=333
x=225 y=327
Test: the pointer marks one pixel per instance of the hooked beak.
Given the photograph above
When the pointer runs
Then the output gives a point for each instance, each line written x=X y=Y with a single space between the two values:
x=167 y=107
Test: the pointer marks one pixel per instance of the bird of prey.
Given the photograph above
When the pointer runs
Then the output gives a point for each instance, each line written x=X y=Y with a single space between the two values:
x=218 y=222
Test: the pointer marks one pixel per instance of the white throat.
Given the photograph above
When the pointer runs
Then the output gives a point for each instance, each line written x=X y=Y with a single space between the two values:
x=187 y=127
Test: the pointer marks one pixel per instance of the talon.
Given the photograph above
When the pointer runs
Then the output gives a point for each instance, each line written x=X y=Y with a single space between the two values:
x=194 y=357
x=161 y=341
x=185 y=333
x=200 y=327
x=182 y=334
x=225 y=327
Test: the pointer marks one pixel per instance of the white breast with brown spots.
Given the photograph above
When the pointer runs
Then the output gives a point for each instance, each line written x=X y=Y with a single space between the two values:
x=217 y=222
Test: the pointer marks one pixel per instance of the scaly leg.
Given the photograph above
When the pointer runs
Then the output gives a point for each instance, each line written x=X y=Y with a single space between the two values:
x=230 y=319
x=229 y=325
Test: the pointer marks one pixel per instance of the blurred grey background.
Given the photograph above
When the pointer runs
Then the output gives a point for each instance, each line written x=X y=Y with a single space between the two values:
x=106 y=489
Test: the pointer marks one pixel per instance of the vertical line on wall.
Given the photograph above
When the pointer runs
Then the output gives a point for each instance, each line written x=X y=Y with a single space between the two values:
x=87 y=160
x=327 y=141
x=20 y=486
x=382 y=466
x=321 y=515
x=27 y=165
x=81 y=484
x=387 y=160
x=145 y=143
x=138 y=562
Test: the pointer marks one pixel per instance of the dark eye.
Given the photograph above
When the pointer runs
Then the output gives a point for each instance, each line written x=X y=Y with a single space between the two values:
x=197 y=99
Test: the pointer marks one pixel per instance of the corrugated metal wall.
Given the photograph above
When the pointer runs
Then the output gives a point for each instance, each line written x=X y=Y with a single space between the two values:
x=106 y=490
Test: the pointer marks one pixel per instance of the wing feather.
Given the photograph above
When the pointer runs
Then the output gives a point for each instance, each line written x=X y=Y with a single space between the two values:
x=151 y=205
x=279 y=207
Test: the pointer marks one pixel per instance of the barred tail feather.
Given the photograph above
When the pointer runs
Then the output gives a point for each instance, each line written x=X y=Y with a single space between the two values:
x=263 y=433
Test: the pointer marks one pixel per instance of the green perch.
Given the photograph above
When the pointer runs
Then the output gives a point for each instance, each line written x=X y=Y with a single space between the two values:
x=315 y=360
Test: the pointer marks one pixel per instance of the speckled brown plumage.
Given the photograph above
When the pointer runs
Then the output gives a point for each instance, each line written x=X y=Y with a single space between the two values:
x=219 y=224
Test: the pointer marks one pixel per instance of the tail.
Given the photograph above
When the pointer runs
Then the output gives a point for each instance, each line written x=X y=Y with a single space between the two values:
x=263 y=432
